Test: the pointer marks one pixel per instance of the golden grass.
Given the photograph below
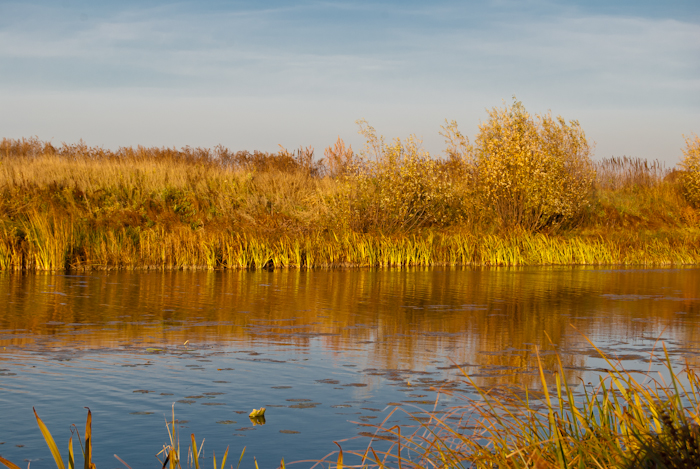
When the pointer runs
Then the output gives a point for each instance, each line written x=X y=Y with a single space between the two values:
x=171 y=452
x=626 y=421
x=78 y=207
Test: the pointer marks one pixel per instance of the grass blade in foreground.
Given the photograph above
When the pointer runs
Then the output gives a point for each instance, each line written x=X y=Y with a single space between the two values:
x=620 y=423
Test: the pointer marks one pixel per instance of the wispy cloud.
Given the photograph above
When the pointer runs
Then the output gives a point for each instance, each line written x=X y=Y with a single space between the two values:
x=384 y=57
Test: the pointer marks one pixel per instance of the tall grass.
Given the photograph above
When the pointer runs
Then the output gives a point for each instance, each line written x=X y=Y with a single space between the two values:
x=626 y=172
x=79 y=207
x=625 y=421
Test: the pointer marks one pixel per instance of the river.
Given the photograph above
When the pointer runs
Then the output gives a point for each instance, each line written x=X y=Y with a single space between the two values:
x=329 y=353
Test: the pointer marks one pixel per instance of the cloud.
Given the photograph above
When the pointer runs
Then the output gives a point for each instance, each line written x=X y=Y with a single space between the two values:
x=406 y=67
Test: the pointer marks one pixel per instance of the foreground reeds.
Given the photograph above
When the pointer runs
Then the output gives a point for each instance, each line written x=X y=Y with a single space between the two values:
x=171 y=453
x=627 y=420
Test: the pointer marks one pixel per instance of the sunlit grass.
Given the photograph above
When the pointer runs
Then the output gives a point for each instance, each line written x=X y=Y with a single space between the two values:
x=82 y=208
x=171 y=456
x=627 y=420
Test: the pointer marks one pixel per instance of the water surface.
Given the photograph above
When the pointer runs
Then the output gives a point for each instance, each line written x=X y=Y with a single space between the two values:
x=327 y=352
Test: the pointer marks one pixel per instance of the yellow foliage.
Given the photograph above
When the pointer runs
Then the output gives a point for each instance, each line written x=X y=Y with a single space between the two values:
x=532 y=172
x=393 y=187
x=690 y=177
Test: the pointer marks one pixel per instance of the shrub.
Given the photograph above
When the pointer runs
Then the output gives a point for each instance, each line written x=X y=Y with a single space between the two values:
x=690 y=177
x=393 y=187
x=533 y=173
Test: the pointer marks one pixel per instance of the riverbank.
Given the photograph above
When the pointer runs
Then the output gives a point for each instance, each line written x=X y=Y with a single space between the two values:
x=83 y=208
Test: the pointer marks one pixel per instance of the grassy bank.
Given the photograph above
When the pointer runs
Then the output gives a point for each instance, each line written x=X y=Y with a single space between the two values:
x=78 y=207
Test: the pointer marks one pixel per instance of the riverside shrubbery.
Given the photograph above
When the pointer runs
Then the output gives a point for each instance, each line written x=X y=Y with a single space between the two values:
x=393 y=188
x=525 y=184
x=529 y=172
x=690 y=178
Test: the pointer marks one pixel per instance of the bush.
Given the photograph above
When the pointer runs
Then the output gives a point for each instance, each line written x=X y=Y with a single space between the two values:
x=690 y=177
x=533 y=173
x=393 y=188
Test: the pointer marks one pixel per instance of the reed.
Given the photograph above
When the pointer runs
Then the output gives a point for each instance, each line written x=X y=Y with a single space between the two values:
x=628 y=420
x=46 y=242
x=620 y=423
x=625 y=172
x=171 y=453
x=76 y=207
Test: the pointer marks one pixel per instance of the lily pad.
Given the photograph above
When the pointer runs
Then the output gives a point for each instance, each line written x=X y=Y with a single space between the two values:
x=305 y=405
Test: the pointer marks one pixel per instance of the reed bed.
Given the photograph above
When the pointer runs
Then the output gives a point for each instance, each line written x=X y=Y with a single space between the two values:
x=76 y=207
x=625 y=172
x=54 y=244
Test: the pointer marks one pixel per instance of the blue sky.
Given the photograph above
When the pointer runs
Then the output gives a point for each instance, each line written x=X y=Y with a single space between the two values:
x=252 y=75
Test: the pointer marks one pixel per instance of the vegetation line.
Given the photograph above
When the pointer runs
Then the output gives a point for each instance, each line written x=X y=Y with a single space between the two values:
x=524 y=193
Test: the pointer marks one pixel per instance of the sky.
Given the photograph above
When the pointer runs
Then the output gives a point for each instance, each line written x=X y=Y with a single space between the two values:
x=252 y=75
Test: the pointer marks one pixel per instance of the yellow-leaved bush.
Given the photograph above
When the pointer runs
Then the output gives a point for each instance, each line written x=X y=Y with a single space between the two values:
x=393 y=187
x=531 y=172
x=690 y=177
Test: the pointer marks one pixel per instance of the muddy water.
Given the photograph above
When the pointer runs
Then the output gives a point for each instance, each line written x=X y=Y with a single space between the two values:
x=326 y=352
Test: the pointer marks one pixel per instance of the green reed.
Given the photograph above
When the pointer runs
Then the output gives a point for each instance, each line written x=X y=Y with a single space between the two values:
x=45 y=241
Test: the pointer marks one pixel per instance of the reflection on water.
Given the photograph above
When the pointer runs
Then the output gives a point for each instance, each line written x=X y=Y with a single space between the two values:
x=319 y=348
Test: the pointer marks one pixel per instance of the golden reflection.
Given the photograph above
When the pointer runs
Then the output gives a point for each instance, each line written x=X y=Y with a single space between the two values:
x=485 y=320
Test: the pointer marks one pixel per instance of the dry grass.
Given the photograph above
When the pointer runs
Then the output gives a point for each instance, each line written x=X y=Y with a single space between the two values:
x=80 y=207
x=626 y=421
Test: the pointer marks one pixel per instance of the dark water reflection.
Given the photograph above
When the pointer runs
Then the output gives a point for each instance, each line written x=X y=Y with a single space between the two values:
x=321 y=349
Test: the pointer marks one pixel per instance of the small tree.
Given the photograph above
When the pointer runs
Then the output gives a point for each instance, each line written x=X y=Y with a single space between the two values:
x=533 y=173
x=690 y=177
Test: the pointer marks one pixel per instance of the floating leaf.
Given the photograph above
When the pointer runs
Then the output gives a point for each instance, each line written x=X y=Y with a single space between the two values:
x=257 y=413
